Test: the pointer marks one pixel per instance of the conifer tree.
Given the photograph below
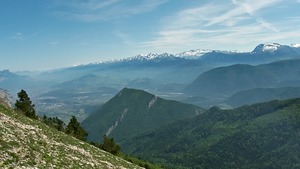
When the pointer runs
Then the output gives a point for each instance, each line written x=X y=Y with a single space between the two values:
x=109 y=145
x=74 y=129
x=54 y=122
x=24 y=104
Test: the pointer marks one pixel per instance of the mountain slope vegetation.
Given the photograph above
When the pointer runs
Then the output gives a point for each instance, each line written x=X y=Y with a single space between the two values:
x=259 y=95
x=225 y=81
x=28 y=143
x=132 y=112
x=264 y=135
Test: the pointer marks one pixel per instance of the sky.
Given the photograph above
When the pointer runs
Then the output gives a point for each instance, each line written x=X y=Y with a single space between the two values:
x=50 y=34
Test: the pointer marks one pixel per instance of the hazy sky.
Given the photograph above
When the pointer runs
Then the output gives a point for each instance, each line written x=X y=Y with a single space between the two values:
x=47 y=34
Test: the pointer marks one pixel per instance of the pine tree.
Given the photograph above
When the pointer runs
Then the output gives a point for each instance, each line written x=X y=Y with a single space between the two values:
x=74 y=129
x=54 y=122
x=25 y=105
x=109 y=145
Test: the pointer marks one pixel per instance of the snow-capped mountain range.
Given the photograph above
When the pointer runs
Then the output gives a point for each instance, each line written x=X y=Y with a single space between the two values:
x=193 y=54
x=198 y=53
x=214 y=55
x=149 y=56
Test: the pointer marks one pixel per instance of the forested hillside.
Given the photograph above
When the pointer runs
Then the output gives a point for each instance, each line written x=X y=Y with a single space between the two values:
x=133 y=112
x=264 y=135
x=225 y=81
x=259 y=95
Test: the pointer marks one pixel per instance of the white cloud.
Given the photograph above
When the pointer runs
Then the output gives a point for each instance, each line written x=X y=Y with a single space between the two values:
x=242 y=8
x=266 y=24
x=97 y=10
x=220 y=24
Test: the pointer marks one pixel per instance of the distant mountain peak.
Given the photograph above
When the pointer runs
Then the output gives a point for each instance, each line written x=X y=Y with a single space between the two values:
x=295 y=45
x=193 y=53
x=134 y=111
x=277 y=49
x=267 y=47
x=150 y=56
x=6 y=74
x=129 y=91
x=271 y=47
x=147 y=56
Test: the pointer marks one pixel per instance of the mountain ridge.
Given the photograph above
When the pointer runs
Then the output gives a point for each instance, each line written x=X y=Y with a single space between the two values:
x=262 y=135
x=258 y=95
x=131 y=112
x=230 y=79
x=198 y=53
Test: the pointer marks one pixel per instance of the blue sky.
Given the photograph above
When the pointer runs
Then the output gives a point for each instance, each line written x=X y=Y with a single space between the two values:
x=48 y=34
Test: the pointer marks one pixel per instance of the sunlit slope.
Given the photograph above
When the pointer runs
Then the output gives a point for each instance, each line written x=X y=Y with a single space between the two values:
x=29 y=143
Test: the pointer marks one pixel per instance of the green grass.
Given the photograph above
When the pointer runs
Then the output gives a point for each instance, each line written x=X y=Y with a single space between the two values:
x=30 y=143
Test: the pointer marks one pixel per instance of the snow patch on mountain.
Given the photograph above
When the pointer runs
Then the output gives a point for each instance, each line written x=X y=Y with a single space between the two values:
x=295 y=45
x=270 y=47
x=150 y=56
x=267 y=47
x=192 y=54
x=196 y=54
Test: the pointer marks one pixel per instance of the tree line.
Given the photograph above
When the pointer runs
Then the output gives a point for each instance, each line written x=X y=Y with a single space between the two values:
x=25 y=106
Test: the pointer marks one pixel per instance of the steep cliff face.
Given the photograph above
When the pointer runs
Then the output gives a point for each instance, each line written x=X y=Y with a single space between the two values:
x=5 y=98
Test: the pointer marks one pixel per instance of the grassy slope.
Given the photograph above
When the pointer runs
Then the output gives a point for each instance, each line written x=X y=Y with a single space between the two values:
x=258 y=136
x=30 y=143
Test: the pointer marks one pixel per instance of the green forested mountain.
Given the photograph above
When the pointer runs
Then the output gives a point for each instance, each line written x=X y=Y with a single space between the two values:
x=225 y=81
x=132 y=112
x=28 y=143
x=264 y=135
x=259 y=95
